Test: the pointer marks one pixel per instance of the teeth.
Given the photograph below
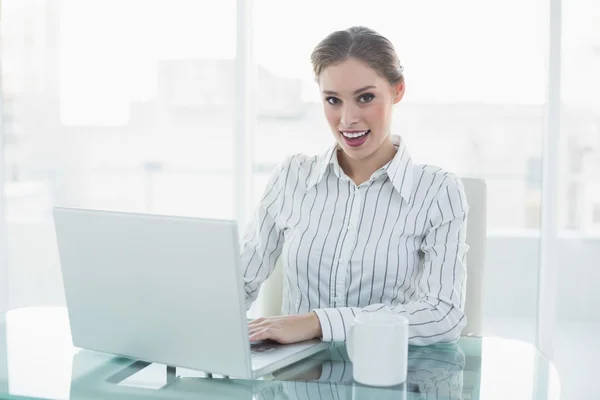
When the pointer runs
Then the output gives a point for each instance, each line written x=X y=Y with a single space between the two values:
x=355 y=134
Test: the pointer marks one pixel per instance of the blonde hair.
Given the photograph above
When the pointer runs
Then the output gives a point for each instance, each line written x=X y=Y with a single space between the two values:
x=363 y=44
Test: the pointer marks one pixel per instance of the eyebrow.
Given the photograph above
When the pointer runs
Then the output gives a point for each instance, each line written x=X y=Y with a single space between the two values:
x=355 y=92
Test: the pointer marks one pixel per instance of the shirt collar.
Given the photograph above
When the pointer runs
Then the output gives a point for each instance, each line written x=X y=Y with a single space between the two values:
x=323 y=161
x=399 y=169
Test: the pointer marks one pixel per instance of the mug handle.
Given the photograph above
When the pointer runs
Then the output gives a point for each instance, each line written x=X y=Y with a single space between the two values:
x=350 y=343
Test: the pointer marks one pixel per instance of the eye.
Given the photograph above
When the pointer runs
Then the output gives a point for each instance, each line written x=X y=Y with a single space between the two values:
x=365 y=98
x=332 y=100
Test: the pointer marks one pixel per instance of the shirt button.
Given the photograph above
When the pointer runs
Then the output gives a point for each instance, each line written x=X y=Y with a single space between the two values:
x=351 y=227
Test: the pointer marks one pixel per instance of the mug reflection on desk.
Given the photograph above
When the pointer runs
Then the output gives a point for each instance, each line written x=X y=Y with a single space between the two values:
x=360 y=392
x=433 y=373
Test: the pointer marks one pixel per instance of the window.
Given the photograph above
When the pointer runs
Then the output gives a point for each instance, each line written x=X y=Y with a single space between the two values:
x=113 y=106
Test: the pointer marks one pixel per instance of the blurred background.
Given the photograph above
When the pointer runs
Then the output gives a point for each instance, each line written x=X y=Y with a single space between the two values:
x=136 y=106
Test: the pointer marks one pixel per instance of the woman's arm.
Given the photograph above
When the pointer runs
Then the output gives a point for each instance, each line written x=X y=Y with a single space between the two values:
x=263 y=240
x=438 y=314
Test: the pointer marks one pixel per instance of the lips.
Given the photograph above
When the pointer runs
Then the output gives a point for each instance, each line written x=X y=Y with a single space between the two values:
x=355 y=138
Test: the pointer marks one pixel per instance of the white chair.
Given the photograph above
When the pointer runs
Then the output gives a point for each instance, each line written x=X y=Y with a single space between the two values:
x=271 y=292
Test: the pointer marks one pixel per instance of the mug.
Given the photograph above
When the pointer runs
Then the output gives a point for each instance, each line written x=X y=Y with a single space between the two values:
x=377 y=345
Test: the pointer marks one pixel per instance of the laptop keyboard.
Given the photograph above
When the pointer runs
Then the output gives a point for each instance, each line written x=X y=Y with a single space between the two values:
x=263 y=346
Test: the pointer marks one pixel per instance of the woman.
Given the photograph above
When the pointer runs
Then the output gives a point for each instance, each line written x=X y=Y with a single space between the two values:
x=361 y=227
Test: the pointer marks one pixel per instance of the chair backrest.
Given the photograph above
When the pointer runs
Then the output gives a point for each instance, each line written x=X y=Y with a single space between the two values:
x=271 y=293
x=476 y=192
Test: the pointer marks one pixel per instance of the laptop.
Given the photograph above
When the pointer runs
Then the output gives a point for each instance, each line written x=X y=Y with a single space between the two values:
x=163 y=289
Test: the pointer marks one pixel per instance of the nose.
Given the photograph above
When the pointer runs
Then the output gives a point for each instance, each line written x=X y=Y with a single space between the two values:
x=350 y=115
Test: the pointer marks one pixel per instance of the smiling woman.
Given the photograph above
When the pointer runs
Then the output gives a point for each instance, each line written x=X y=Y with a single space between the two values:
x=360 y=228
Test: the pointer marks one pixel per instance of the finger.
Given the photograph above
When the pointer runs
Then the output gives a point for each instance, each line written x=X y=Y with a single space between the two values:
x=258 y=327
x=262 y=334
x=253 y=330
x=264 y=322
x=257 y=321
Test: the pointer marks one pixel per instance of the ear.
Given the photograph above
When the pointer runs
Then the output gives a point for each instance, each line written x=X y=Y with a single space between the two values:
x=399 y=92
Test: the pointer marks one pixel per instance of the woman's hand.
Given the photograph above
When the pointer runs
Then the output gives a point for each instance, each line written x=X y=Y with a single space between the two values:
x=286 y=329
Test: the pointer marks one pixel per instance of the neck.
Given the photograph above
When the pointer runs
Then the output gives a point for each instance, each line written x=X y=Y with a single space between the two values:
x=361 y=170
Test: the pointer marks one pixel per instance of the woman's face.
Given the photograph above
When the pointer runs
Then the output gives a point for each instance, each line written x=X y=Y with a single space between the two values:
x=358 y=106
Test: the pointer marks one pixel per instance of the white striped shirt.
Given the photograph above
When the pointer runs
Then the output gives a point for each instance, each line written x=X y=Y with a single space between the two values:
x=396 y=241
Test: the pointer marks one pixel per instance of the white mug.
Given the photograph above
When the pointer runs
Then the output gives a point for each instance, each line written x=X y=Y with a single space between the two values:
x=377 y=345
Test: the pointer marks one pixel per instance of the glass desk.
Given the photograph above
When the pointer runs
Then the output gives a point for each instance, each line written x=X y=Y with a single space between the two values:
x=38 y=360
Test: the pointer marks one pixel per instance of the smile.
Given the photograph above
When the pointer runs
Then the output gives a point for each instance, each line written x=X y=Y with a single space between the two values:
x=354 y=134
x=355 y=138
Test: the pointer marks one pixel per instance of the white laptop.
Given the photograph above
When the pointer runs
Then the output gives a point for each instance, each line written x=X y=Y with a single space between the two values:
x=162 y=289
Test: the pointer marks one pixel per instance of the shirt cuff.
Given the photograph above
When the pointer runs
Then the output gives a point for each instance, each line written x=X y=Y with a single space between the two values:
x=335 y=322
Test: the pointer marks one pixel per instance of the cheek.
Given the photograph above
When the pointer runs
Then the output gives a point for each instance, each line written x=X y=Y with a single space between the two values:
x=332 y=116
x=377 y=114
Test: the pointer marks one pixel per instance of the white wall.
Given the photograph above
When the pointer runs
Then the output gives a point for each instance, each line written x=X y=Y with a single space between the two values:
x=3 y=359
x=512 y=272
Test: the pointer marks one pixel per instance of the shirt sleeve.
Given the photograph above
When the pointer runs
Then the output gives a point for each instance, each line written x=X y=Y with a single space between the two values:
x=263 y=239
x=438 y=314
